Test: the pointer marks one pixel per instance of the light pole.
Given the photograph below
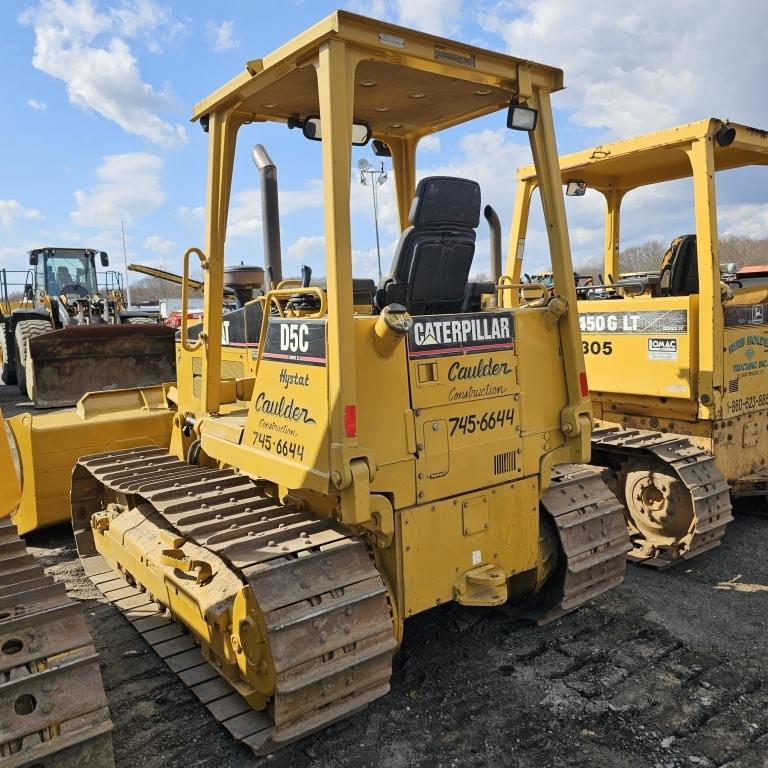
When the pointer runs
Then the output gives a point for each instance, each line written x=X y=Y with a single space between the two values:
x=378 y=176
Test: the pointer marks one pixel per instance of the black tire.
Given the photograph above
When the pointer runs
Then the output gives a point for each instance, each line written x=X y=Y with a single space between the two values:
x=7 y=369
x=25 y=330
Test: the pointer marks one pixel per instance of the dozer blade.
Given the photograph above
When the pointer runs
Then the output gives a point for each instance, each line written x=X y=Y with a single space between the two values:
x=10 y=492
x=50 y=444
x=53 y=710
x=63 y=365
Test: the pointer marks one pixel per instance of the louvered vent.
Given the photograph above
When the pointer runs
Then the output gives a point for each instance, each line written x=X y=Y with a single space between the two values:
x=504 y=462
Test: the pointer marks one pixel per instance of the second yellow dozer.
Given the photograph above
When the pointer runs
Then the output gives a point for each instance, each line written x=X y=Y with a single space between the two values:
x=426 y=448
x=678 y=357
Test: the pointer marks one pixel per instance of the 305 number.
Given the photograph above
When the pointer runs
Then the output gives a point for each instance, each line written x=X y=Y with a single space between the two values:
x=597 y=347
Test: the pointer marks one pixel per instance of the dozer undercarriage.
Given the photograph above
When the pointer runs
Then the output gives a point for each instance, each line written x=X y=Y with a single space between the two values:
x=53 y=711
x=299 y=623
x=676 y=498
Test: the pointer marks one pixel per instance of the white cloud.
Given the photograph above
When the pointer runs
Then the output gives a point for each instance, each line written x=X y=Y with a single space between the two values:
x=245 y=208
x=190 y=214
x=633 y=68
x=307 y=249
x=747 y=220
x=430 y=143
x=159 y=244
x=222 y=36
x=41 y=106
x=438 y=17
x=81 y=46
x=12 y=211
x=129 y=186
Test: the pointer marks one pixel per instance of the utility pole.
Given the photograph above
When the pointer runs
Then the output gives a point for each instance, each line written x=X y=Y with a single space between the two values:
x=378 y=177
x=125 y=266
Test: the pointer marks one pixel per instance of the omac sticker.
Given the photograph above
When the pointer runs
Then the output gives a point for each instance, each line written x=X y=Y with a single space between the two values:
x=667 y=321
x=296 y=341
x=438 y=335
x=662 y=349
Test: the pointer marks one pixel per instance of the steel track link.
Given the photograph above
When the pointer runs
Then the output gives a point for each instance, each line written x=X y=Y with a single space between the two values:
x=324 y=603
x=53 y=710
x=593 y=538
x=696 y=469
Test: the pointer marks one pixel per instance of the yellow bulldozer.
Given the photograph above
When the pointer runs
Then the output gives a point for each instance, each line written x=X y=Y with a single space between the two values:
x=69 y=335
x=676 y=357
x=389 y=451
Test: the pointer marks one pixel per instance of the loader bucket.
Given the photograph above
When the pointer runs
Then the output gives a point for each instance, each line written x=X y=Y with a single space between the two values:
x=50 y=444
x=9 y=483
x=63 y=365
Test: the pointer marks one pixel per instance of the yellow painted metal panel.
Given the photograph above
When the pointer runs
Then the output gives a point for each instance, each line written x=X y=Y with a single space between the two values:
x=641 y=346
x=437 y=552
x=10 y=492
x=50 y=445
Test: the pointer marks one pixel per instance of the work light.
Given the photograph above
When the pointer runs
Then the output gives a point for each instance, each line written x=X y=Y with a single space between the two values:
x=520 y=118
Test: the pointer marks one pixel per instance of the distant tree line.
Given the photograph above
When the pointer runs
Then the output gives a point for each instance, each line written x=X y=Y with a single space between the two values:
x=740 y=250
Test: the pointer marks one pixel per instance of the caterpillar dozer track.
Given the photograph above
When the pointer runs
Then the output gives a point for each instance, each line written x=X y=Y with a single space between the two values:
x=53 y=710
x=69 y=335
x=386 y=449
x=689 y=424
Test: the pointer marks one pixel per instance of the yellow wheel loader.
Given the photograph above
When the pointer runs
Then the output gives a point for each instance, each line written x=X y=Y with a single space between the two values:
x=69 y=336
x=390 y=450
x=677 y=358
x=53 y=710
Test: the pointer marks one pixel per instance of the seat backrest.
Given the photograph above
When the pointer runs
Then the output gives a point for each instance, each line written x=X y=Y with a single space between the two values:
x=681 y=263
x=431 y=266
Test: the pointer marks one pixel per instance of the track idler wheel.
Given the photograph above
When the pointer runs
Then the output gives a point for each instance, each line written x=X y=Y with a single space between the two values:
x=659 y=509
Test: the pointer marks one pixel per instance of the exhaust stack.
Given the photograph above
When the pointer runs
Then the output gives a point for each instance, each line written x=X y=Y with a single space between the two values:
x=495 y=242
x=270 y=215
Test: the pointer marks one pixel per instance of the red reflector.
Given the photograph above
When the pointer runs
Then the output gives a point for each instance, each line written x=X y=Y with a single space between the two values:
x=583 y=384
x=350 y=421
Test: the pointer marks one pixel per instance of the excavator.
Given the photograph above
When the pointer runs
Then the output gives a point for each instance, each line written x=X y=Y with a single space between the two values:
x=688 y=428
x=391 y=448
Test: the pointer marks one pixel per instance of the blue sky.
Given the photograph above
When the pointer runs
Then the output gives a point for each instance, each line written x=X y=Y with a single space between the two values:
x=97 y=94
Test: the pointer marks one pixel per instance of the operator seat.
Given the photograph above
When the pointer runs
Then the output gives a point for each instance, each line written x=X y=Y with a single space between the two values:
x=63 y=277
x=681 y=264
x=431 y=266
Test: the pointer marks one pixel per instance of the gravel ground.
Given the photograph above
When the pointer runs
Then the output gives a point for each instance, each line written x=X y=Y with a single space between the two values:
x=666 y=671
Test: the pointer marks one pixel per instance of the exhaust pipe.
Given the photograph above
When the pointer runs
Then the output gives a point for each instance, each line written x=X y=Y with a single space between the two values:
x=495 y=230
x=270 y=214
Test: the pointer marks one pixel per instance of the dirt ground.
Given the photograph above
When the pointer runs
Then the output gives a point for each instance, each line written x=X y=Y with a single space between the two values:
x=668 y=670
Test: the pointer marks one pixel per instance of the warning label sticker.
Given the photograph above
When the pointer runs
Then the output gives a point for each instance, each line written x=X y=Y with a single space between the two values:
x=662 y=349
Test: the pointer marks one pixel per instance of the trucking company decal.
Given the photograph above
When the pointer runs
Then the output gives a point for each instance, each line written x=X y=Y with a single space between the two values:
x=438 y=335
x=750 y=314
x=668 y=321
x=296 y=341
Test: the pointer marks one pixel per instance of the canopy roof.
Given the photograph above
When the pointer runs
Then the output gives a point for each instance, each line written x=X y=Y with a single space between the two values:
x=658 y=157
x=407 y=83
